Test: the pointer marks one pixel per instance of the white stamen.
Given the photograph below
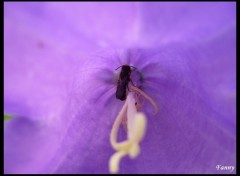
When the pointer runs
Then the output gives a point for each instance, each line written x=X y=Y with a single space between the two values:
x=114 y=161
x=136 y=129
x=136 y=125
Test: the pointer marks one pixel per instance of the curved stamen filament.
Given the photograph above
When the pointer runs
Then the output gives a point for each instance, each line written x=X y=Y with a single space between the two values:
x=114 y=161
x=113 y=136
x=136 y=128
x=136 y=124
x=147 y=97
x=139 y=100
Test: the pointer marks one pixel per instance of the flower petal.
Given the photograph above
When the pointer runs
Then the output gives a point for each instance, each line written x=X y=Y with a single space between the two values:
x=45 y=41
x=186 y=22
x=195 y=127
x=27 y=145
x=189 y=134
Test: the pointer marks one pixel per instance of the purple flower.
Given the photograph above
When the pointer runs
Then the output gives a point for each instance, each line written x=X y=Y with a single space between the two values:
x=60 y=83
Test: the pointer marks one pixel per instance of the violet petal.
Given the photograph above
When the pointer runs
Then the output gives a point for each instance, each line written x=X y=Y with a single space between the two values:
x=187 y=60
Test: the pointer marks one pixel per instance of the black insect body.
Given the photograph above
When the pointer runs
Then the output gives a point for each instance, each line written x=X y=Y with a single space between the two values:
x=123 y=81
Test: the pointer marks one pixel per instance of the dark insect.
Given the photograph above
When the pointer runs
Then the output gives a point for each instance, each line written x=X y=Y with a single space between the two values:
x=123 y=81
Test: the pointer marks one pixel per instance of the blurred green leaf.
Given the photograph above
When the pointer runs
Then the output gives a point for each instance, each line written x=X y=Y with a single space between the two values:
x=6 y=117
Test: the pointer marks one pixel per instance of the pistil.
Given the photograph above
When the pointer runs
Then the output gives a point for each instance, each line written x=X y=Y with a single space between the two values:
x=136 y=127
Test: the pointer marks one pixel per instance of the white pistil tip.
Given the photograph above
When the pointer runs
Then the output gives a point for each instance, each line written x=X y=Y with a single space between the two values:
x=114 y=161
x=136 y=124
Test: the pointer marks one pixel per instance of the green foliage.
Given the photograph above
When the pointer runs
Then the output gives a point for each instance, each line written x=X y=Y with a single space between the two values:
x=6 y=117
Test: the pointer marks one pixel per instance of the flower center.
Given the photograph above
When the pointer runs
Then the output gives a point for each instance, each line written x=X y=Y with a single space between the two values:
x=136 y=127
